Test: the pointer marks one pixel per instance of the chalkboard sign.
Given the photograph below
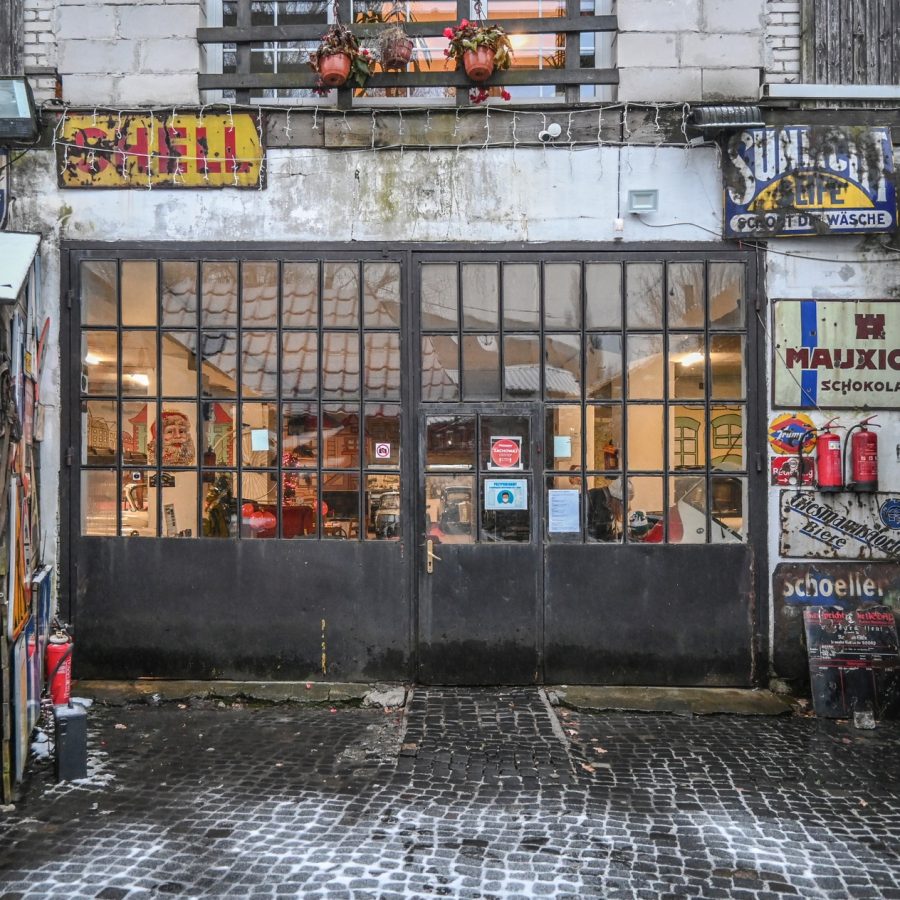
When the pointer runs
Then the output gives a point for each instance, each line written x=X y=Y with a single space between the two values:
x=854 y=660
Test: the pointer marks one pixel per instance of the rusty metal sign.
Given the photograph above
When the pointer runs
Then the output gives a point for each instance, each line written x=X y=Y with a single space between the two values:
x=837 y=584
x=181 y=150
x=836 y=354
x=809 y=180
x=840 y=526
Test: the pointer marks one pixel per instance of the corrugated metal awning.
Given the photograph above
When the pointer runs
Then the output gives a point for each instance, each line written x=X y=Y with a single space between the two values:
x=16 y=254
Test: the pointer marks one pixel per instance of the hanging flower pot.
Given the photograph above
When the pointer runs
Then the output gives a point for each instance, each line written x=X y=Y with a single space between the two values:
x=334 y=69
x=395 y=48
x=479 y=64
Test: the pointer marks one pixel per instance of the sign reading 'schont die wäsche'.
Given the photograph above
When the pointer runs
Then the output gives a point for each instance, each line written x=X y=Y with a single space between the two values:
x=809 y=180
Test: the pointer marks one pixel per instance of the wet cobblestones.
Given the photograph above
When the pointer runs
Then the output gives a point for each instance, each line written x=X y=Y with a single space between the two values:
x=476 y=794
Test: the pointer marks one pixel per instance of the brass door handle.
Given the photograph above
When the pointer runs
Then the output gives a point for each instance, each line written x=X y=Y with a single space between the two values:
x=430 y=556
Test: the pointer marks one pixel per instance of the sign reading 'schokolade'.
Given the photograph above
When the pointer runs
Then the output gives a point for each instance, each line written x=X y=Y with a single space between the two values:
x=809 y=180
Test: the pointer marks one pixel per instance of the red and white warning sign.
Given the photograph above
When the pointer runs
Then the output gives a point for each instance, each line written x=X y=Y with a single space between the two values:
x=506 y=453
x=382 y=450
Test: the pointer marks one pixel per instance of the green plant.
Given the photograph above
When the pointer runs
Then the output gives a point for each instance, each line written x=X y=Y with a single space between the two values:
x=340 y=39
x=474 y=36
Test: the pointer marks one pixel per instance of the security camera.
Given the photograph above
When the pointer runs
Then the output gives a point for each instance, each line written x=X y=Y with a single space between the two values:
x=550 y=133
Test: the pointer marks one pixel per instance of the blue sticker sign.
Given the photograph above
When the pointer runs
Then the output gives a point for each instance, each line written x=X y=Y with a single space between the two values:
x=809 y=180
x=890 y=513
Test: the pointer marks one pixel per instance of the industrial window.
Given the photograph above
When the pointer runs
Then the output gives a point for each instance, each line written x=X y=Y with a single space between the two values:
x=233 y=398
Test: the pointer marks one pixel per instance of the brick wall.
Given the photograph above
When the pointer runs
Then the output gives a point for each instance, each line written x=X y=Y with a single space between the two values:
x=782 y=41
x=690 y=50
x=39 y=46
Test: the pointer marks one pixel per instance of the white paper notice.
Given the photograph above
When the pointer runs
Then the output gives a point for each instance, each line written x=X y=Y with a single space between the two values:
x=564 y=515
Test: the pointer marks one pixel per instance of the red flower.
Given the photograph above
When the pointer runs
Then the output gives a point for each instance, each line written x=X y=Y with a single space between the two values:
x=464 y=23
x=448 y=33
x=506 y=95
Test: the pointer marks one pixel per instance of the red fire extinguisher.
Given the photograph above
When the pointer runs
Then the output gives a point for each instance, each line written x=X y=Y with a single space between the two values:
x=863 y=456
x=829 y=463
x=59 y=666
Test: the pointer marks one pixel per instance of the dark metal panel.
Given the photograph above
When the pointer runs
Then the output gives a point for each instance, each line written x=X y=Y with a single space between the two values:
x=665 y=615
x=242 y=609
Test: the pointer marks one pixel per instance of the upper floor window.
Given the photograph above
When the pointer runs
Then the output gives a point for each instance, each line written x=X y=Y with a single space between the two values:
x=259 y=51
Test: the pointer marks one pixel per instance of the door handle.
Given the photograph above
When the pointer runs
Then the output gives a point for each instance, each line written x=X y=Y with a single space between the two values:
x=430 y=556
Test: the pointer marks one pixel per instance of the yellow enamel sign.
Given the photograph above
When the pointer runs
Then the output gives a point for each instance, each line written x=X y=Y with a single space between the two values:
x=111 y=150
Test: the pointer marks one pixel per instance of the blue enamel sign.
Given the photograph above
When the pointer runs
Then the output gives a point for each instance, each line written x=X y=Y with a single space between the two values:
x=809 y=180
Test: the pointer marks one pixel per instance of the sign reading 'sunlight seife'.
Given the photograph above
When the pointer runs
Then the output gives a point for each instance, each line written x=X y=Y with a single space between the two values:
x=809 y=180
x=837 y=354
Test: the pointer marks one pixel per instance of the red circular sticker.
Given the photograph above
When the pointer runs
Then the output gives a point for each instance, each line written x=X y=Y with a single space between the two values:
x=505 y=453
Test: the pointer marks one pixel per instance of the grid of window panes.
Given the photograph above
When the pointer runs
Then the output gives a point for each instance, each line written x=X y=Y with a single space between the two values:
x=539 y=52
x=641 y=367
x=240 y=398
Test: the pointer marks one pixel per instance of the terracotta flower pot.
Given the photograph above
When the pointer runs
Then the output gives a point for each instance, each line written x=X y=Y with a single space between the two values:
x=397 y=55
x=479 y=64
x=334 y=70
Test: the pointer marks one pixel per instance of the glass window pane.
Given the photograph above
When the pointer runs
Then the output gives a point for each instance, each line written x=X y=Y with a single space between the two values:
x=687 y=437
x=686 y=295
x=99 y=293
x=299 y=435
x=259 y=504
x=521 y=366
x=179 y=295
x=219 y=444
x=562 y=295
x=726 y=451
x=645 y=509
x=259 y=435
x=521 y=296
x=562 y=437
x=139 y=503
x=138 y=292
x=603 y=366
x=440 y=367
x=340 y=436
x=605 y=510
x=381 y=295
x=604 y=437
x=99 y=362
x=383 y=507
x=382 y=360
x=259 y=363
x=686 y=518
x=219 y=299
x=99 y=502
x=439 y=298
x=643 y=295
x=727 y=301
x=179 y=504
x=645 y=366
x=138 y=363
x=300 y=295
x=218 y=374
x=645 y=437
x=516 y=427
x=299 y=364
x=220 y=508
x=726 y=359
x=259 y=294
x=134 y=440
x=562 y=366
x=179 y=427
x=729 y=510
x=340 y=364
x=603 y=289
x=382 y=436
x=300 y=504
x=687 y=366
x=340 y=506
x=449 y=508
x=179 y=364
x=450 y=442
x=510 y=526
x=481 y=367
x=340 y=294
x=481 y=295
x=98 y=433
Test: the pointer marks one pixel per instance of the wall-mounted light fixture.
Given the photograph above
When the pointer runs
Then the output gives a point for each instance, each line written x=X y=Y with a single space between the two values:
x=18 y=116
x=643 y=201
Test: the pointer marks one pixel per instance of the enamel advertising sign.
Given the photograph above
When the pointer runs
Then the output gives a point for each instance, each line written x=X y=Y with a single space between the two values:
x=809 y=180
x=837 y=354
x=144 y=150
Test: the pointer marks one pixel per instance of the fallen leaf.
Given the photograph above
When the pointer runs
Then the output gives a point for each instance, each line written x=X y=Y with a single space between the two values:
x=599 y=750
x=120 y=726
x=862 y=802
x=588 y=767
x=182 y=705
x=333 y=709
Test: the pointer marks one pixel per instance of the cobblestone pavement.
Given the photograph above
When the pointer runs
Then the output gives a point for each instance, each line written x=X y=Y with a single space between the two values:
x=485 y=794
